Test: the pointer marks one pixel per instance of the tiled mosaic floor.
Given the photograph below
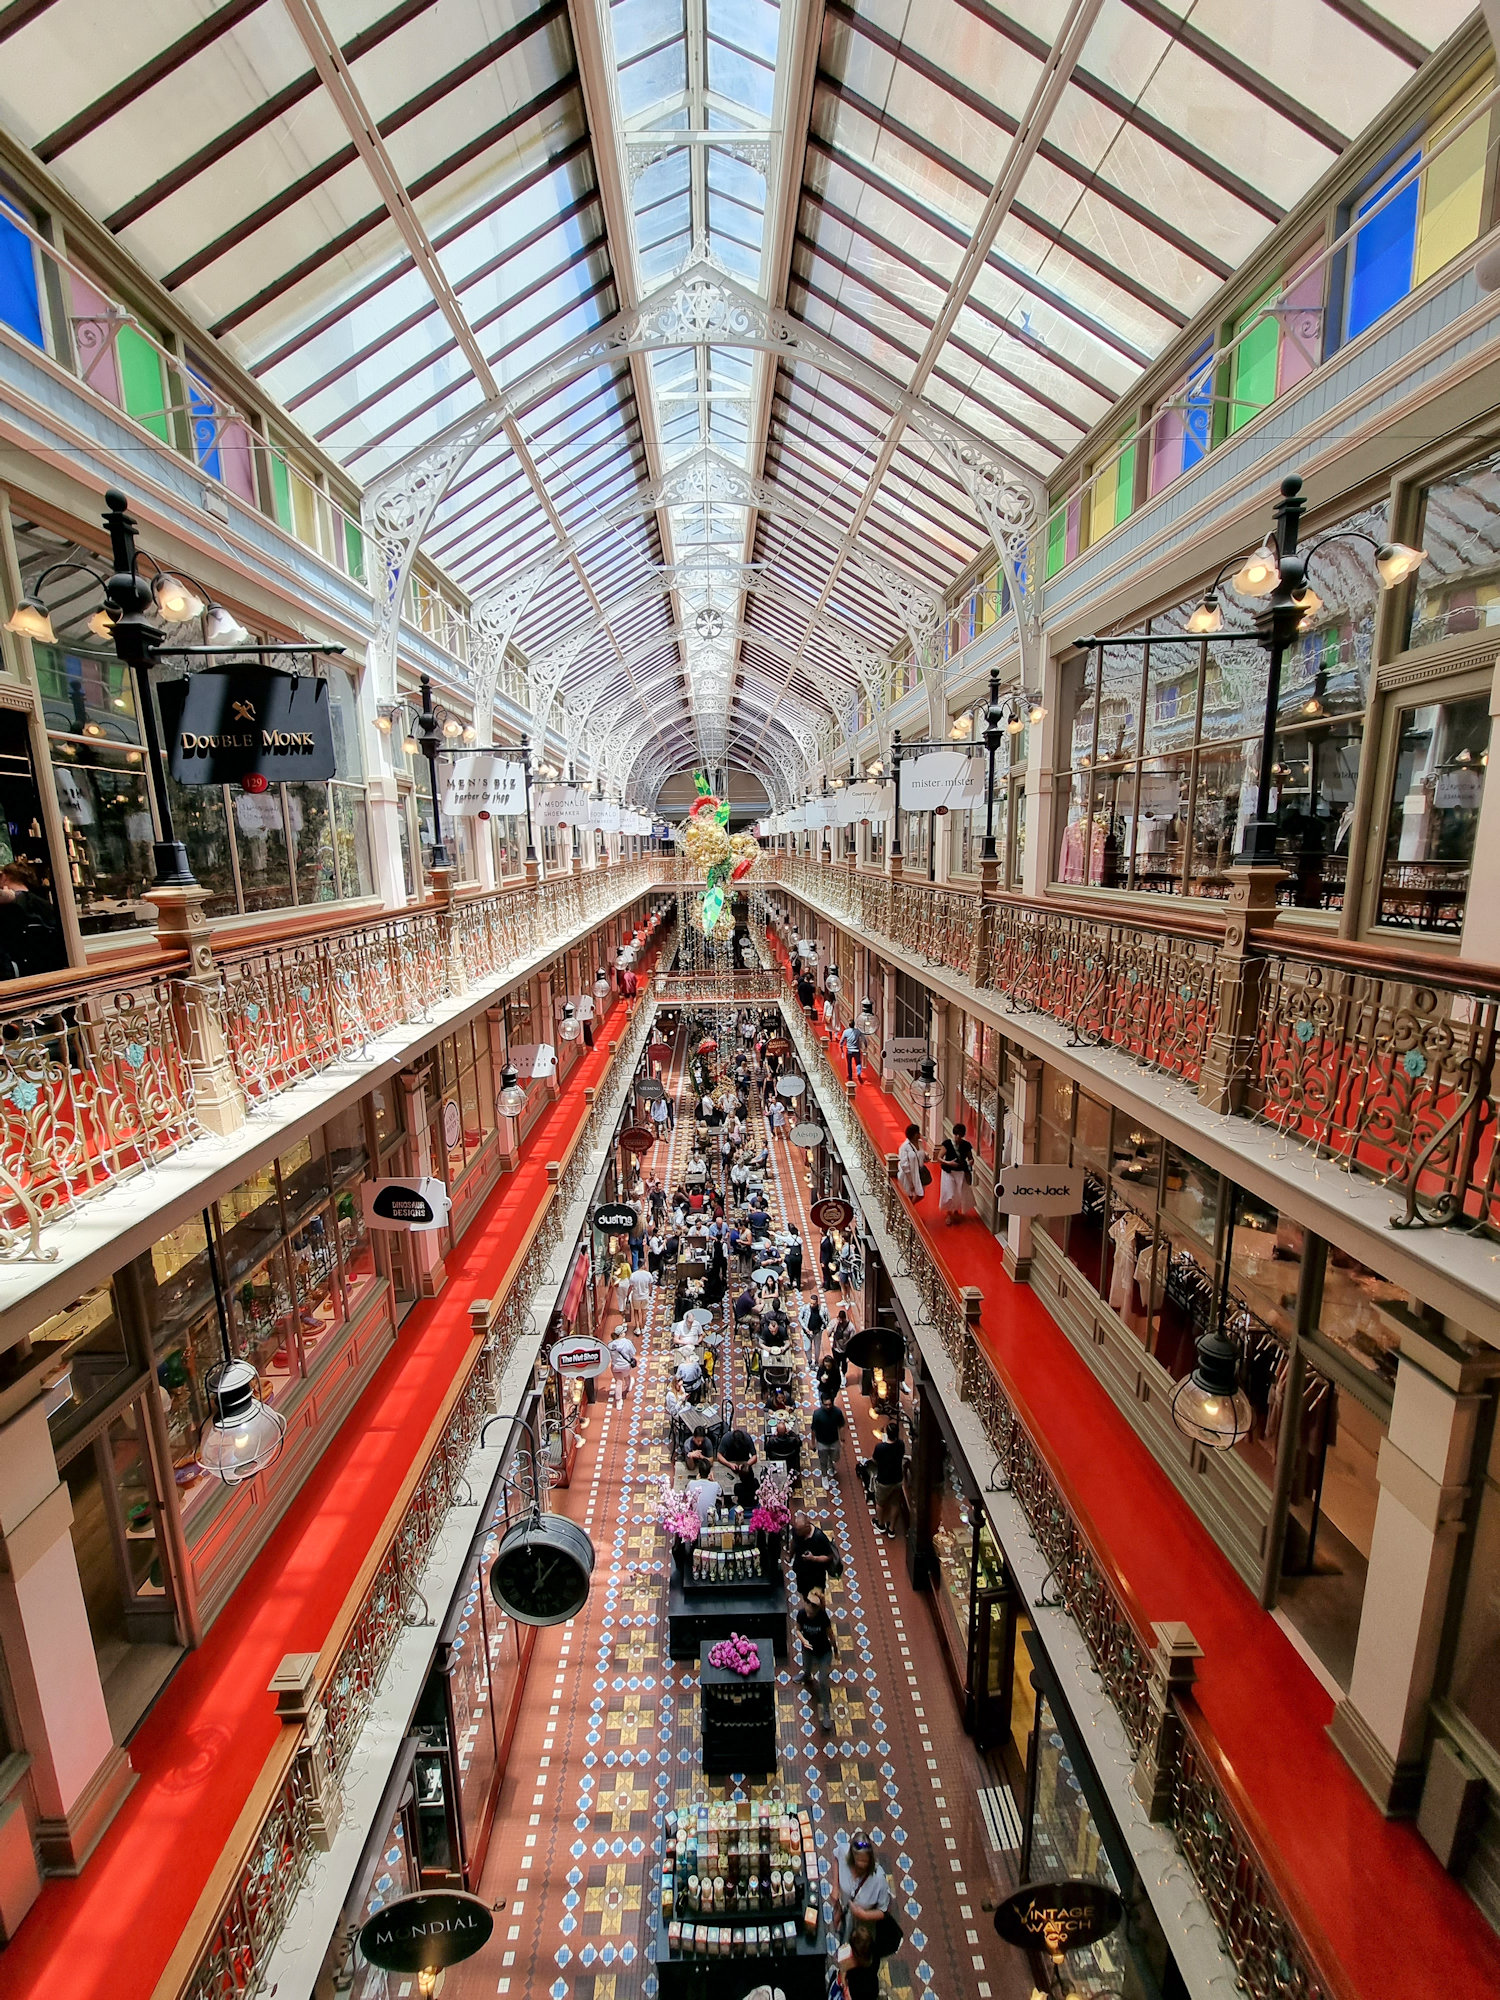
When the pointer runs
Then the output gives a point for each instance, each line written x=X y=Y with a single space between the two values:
x=608 y=1737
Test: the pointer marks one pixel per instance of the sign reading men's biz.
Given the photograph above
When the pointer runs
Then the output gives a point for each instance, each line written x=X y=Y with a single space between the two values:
x=231 y=723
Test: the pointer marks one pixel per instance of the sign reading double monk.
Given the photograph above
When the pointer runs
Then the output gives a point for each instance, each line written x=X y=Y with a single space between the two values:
x=231 y=723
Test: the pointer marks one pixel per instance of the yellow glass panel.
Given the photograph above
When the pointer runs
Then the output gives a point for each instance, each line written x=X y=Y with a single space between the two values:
x=1102 y=501
x=304 y=511
x=1452 y=204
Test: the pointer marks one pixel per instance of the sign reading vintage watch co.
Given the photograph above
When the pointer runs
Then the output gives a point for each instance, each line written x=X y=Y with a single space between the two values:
x=227 y=724
x=1058 y=1916
x=426 y=1932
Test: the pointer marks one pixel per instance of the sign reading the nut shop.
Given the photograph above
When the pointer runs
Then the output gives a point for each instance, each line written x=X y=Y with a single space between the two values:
x=231 y=723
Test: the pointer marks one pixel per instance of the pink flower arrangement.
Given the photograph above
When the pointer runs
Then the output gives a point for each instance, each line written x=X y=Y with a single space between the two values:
x=770 y=1518
x=672 y=1512
x=735 y=1655
x=682 y=1524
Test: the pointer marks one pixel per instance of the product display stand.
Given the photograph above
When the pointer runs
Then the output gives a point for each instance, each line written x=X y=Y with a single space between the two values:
x=739 y=1901
x=738 y=1717
x=696 y=1616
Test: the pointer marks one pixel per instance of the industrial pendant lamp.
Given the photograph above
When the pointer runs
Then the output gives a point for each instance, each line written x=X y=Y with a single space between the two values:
x=601 y=984
x=512 y=1099
x=1209 y=1406
x=831 y=981
x=927 y=1078
x=243 y=1434
x=569 y=1026
x=865 y=1025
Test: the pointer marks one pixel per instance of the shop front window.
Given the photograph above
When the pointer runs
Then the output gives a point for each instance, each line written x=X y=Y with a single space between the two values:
x=1160 y=748
x=1457 y=589
x=88 y=1363
x=953 y=1548
x=1432 y=820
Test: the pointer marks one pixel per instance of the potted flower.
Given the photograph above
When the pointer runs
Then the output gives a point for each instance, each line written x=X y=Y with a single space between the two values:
x=772 y=1516
x=677 y=1518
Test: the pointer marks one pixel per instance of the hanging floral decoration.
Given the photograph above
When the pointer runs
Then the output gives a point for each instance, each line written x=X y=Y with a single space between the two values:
x=722 y=856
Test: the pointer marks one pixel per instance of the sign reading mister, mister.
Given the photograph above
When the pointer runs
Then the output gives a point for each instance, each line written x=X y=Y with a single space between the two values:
x=229 y=724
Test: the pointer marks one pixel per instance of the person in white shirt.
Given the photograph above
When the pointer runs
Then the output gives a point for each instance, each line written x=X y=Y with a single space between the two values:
x=639 y=1291
x=909 y=1164
x=704 y=1495
x=622 y=1359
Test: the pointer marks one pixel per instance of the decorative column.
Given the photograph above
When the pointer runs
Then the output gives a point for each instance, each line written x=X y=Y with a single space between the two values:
x=1240 y=972
x=295 y=1686
x=79 y=1776
x=452 y=946
x=182 y=926
x=1424 y=1469
x=426 y=1245
x=887 y=1023
x=1174 y=1661
x=932 y=1115
x=1015 y=1249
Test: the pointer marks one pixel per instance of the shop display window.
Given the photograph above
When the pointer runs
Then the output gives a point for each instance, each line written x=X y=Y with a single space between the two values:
x=1159 y=753
x=953 y=1548
x=1436 y=788
x=1457 y=589
x=87 y=1361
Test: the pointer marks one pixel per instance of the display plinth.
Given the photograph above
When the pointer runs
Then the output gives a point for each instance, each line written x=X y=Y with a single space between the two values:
x=697 y=1617
x=801 y=1974
x=739 y=1716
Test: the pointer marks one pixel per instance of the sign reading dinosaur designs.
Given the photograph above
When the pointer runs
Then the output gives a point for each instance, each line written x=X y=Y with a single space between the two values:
x=231 y=723
x=1058 y=1916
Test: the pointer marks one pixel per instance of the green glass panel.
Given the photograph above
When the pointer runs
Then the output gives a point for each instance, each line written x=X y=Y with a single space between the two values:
x=1254 y=371
x=140 y=381
x=354 y=552
x=1125 y=485
x=1057 y=530
x=281 y=493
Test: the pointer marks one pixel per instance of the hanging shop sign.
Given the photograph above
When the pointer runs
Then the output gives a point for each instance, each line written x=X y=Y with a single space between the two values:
x=533 y=1059
x=808 y=1135
x=658 y=1053
x=790 y=1086
x=1040 y=1190
x=905 y=1051
x=1059 y=1916
x=831 y=1213
x=426 y=1932
x=636 y=1139
x=649 y=1088
x=453 y=1123
x=807 y=948
x=578 y=1359
x=562 y=805
x=778 y=1046
x=410 y=1205
x=482 y=784
x=228 y=724
x=951 y=778
x=617 y=1218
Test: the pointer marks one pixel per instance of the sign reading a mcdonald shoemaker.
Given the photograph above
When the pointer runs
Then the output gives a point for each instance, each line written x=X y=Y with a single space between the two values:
x=231 y=723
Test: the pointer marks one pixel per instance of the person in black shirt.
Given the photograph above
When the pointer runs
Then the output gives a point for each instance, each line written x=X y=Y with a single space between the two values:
x=815 y=1629
x=794 y=1259
x=812 y=1553
x=760 y=1223
x=889 y=1458
x=828 y=1435
x=746 y=1305
x=830 y=1376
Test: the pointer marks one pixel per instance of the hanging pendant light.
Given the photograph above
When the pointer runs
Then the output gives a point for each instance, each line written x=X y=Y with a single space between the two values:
x=31 y=620
x=831 y=981
x=176 y=601
x=864 y=1027
x=512 y=1099
x=569 y=1027
x=243 y=1434
x=1210 y=1406
x=927 y=1078
x=601 y=984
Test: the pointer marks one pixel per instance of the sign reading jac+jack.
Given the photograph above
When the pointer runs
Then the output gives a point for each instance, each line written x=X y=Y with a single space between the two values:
x=228 y=724
x=1040 y=1190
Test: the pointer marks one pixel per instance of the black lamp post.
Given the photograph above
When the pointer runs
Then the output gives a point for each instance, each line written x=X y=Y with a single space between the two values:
x=427 y=729
x=526 y=784
x=1277 y=571
x=896 y=802
x=992 y=739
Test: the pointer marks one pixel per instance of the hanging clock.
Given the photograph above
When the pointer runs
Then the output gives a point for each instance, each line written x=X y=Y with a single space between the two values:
x=541 y=1574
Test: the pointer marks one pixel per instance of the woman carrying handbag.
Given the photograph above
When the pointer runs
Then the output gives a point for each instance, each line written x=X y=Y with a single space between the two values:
x=956 y=1191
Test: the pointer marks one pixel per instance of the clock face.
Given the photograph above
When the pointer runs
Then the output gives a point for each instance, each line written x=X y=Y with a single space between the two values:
x=539 y=1583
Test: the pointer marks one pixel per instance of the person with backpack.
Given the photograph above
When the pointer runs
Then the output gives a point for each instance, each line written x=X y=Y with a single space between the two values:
x=814 y=1323
x=828 y=1424
x=815 y=1630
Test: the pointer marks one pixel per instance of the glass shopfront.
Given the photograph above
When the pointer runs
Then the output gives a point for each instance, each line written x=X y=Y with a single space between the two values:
x=1069 y=1832
x=280 y=1266
x=1174 y=1249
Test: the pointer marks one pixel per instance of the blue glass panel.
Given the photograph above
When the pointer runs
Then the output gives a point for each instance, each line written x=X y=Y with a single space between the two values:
x=1198 y=408
x=1380 y=270
x=205 y=434
x=20 y=308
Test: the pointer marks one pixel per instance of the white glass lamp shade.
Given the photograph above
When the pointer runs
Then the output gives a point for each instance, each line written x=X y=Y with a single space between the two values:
x=568 y=1027
x=1208 y=617
x=177 y=601
x=601 y=984
x=927 y=1078
x=1209 y=1406
x=222 y=628
x=30 y=620
x=831 y=981
x=1394 y=561
x=1258 y=575
x=512 y=1099
x=242 y=1435
x=102 y=624
x=866 y=1022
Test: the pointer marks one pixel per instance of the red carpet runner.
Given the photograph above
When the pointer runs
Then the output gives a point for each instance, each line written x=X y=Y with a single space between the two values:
x=1401 y=1928
x=108 y=1935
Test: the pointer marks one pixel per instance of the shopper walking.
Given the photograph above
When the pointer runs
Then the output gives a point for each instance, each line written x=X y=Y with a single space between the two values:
x=889 y=1459
x=956 y=1187
x=814 y=1323
x=828 y=1435
x=909 y=1165
x=863 y=1889
x=828 y=1258
x=639 y=1291
x=622 y=1359
x=812 y=1553
x=815 y=1630
x=793 y=1249
x=849 y=1042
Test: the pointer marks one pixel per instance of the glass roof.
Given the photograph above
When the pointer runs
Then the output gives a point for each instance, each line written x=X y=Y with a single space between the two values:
x=382 y=288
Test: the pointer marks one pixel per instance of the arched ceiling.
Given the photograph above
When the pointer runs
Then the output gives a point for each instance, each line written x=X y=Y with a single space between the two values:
x=524 y=267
